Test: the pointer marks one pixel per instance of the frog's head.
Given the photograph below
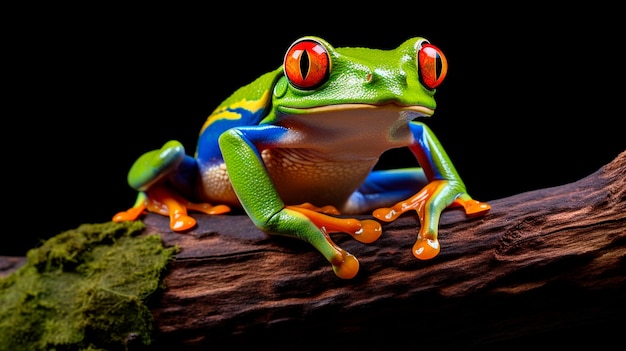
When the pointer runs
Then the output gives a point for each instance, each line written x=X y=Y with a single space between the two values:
x=317 y=77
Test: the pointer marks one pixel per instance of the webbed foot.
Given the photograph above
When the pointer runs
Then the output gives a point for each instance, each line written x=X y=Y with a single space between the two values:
x=149 y=175
x=429 y=203
x=365 y=231
x=131 y=214
x=345 y=265
x=161 y=200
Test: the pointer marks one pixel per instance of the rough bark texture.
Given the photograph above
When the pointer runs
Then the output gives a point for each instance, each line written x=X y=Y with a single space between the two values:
x=546 y=266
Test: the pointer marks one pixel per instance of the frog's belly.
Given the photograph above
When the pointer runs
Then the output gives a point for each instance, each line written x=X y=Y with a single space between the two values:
x=303 y=176
x=298 y=175
x=215 y=187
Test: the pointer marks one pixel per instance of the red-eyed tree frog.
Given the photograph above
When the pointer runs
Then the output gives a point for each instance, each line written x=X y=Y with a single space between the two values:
x=296 y=149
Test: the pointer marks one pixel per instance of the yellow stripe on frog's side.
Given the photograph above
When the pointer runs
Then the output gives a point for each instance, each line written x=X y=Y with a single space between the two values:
x=226 y=112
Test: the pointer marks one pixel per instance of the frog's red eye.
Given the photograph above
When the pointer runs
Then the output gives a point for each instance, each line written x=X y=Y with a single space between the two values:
x=432 y=65
x=307 y=64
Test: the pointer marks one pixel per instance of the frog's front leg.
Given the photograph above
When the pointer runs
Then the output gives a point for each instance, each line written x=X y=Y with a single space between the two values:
x=241 y=149
x=159 y=176
x=444 y=189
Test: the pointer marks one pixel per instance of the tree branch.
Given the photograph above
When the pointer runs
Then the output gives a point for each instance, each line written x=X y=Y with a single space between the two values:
x=542 y=266
x=547 y=261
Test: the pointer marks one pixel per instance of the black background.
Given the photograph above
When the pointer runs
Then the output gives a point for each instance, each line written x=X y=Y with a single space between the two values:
x=533 y=99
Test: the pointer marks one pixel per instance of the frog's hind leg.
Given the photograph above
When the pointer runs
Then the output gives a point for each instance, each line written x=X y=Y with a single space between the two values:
x=161 y=176
x=149 y=169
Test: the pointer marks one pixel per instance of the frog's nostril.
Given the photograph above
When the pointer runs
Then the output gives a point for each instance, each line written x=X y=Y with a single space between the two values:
x=368 y=78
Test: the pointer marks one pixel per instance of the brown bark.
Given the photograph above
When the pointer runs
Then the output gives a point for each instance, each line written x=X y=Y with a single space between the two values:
x=546 y=266
x=548 y=261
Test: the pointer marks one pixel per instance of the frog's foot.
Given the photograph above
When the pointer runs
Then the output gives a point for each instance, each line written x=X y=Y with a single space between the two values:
x=330 y=210
x=347 y=266
x=429 y=203
x=161 y=200
x=344 y=264
x=365 y=231
x=472 y=207
x=207 y=208
x=131 y=214
x=305 y=224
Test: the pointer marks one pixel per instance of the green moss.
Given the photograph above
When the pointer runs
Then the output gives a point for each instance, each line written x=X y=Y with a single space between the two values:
x=84 y=289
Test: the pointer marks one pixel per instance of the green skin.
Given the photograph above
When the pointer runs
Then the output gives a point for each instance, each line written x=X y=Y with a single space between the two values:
x=284 y=144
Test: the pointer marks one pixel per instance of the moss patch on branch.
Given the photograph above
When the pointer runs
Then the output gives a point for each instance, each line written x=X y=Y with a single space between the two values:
x=84 y=289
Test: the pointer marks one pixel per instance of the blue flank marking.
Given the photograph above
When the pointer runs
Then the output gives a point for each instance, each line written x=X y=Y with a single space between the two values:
x=208 y=148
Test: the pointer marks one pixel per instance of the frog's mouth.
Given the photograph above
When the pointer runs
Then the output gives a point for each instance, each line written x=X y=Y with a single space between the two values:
x=414 y=110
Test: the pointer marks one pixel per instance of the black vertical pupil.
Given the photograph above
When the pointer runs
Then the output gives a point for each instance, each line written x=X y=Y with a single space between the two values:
x=439 y=66
x=304 y=64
